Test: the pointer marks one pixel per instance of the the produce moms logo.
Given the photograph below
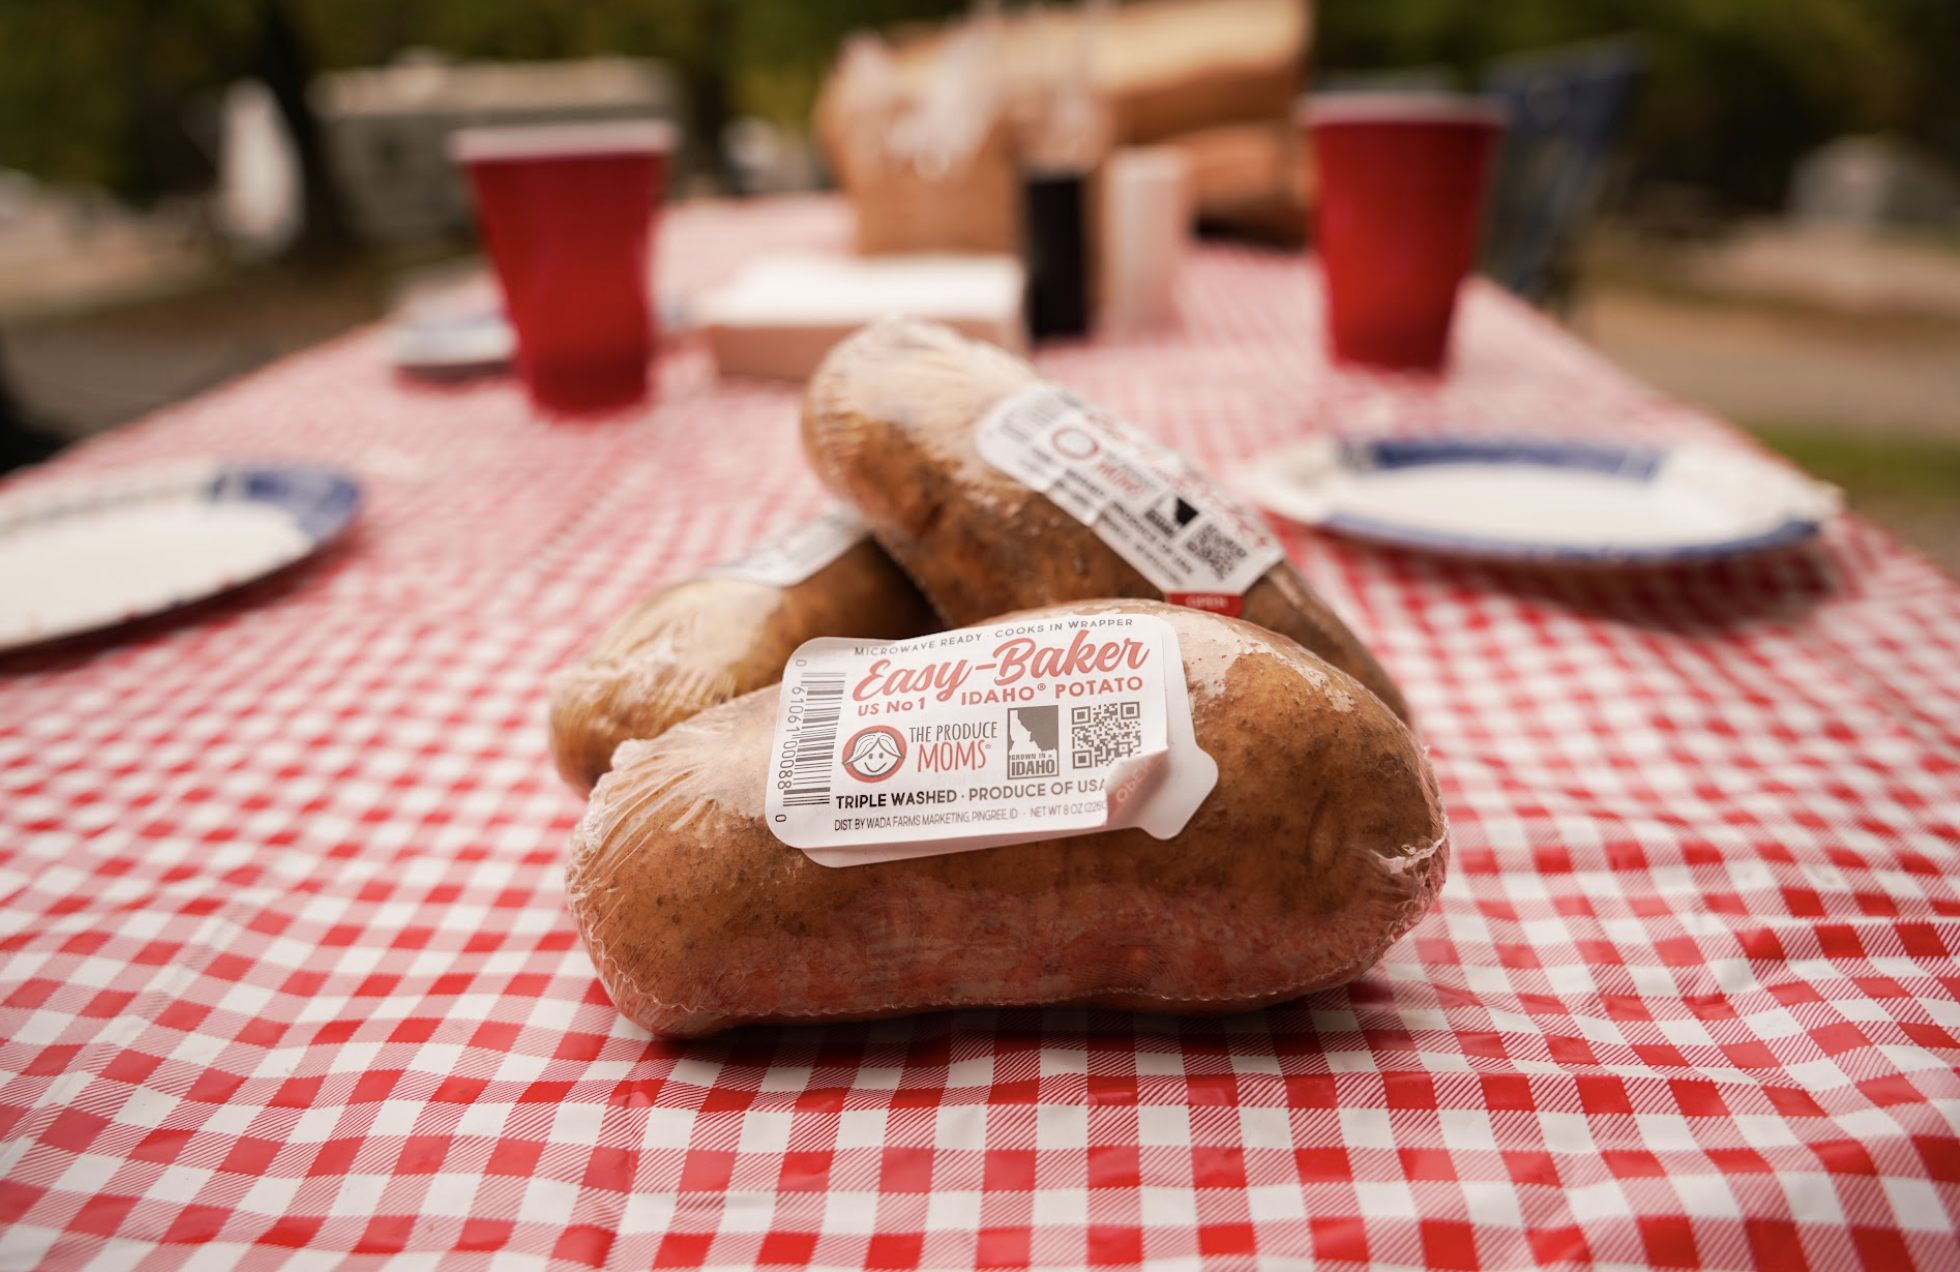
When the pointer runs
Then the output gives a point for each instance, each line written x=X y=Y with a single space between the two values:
x=1072 y=443
x=874 y=754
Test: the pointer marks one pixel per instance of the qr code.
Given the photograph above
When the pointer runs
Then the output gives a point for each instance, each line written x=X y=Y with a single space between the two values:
x=1105 y=733
x=1216 y=549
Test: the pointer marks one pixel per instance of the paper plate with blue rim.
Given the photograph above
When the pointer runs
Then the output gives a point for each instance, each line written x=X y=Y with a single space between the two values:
x=445 y=343
x=1536 y=500
x=94 y=554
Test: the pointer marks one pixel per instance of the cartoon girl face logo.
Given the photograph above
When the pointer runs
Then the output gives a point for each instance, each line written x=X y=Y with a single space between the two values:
x=874 y=754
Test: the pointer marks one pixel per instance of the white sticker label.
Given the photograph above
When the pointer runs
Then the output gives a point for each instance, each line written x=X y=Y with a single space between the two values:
x=790 y=556
x=1196 y=543
x=985 y=736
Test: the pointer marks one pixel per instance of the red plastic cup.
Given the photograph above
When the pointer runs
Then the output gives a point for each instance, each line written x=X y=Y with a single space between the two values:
x=567 y=212
x=1397 y=217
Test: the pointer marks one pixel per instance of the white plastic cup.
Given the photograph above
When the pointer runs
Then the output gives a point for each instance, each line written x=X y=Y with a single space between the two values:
x=1146 y=223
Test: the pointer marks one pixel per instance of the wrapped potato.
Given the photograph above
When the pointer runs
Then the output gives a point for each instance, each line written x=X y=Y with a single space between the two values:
x=1322 y=841
x=894 y=422
x=708 y=639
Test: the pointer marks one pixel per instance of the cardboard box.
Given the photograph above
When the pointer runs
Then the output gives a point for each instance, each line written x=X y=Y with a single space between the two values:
x=781 y=314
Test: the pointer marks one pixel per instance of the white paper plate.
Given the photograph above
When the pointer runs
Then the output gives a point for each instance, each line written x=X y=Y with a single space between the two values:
x=1533 y=500
x=86 y=556
x=452 y=343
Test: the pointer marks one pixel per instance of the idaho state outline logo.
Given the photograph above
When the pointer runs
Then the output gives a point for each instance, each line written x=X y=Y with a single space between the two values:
x=875 y=753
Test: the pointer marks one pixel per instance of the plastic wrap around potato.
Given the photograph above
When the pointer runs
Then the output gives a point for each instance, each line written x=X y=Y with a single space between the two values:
x=1321 y=843
x=893 y=422
x=721 y=635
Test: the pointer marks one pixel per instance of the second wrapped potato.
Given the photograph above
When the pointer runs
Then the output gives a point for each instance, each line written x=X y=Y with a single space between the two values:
x=721 y=634
x=996 y=491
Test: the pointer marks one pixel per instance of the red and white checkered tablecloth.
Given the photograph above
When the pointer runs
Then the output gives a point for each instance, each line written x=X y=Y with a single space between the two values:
x=287 y=981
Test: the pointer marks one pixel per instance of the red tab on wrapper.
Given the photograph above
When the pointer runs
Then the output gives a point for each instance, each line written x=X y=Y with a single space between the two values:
x=1228 y=604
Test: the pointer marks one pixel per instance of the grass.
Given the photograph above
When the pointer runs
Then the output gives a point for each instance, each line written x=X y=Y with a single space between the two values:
x=1887 y=465
x=1909 y=485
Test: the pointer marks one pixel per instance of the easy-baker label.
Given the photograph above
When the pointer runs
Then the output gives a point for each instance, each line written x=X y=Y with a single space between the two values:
x=985 y=736
x=1194 y=542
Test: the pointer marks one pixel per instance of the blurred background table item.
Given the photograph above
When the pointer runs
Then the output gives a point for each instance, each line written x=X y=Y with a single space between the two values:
x=1566 y=111
x=1216 y=78
x=568 y=215
x=387 y=129
x=780 y=314
x=286 y=975
x=447 y=322
x=1147 y=219
x=1400 y=187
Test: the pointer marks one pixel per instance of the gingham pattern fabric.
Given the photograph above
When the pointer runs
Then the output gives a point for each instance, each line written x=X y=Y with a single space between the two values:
x=287 y=981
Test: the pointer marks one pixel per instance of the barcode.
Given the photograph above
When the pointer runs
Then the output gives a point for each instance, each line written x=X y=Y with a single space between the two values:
x=1037 y=411
x=817 y=702
x=1216 y=549
x=1104 y=733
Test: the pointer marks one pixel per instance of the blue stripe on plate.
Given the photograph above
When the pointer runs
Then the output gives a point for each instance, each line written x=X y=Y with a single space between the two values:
x=322 y=501
x=1636 y=463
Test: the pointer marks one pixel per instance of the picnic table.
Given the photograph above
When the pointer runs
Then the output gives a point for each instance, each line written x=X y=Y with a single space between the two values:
x=287 y=978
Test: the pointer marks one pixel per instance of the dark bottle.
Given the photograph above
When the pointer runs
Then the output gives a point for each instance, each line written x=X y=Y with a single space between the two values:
x=1057 y=253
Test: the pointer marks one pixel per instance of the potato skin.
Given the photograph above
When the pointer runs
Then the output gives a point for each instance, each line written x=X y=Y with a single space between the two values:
x=889 y=421
x=1322 y=843
x=706 y=640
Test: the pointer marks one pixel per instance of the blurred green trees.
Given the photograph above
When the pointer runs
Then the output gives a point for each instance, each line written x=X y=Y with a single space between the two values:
x=105 y=92
x=1738 y=89
x=97 y=91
